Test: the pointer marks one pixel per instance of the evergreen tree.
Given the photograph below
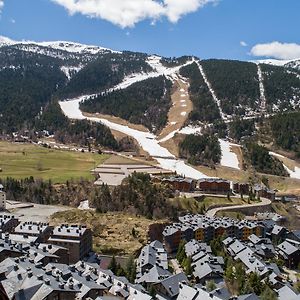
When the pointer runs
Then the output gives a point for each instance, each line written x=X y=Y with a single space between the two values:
x=113 y=265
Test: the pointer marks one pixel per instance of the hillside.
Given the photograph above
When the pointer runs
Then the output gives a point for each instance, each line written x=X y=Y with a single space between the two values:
x=231 y=99
x=146 y=102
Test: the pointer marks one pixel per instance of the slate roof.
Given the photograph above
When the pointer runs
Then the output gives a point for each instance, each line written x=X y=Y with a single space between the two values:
x=171 y=284
x=287 y=248
x=35 y=282
x=248 y=297
x=35 y=228
x=154 y=275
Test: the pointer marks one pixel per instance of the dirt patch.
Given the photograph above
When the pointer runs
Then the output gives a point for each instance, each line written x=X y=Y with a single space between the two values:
x=225 y=173
x=113 y=233
x=173 y=144
x=290 y=212
x=180 y=103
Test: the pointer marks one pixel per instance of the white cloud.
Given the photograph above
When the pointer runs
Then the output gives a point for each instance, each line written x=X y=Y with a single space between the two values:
x=13 y=21
x=243 y=44
x=126 y=13
x=277 y=50
x=1 y=5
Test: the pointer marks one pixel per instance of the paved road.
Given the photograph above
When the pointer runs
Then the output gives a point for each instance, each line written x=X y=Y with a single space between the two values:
x=213 y=211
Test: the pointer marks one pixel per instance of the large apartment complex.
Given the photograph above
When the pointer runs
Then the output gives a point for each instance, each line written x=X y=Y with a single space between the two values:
x=203 y=228
x=78 y=239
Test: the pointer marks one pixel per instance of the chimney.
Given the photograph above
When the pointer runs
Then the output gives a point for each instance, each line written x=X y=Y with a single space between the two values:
x=40 y=277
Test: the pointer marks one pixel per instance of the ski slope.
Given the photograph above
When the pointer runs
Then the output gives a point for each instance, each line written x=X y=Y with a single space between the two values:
x=263 y=100
x=214 y=96
x=293 y=173
x=146 y=140
x=229 y=158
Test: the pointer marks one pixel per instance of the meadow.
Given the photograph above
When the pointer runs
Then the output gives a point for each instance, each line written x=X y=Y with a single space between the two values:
x=23 y=160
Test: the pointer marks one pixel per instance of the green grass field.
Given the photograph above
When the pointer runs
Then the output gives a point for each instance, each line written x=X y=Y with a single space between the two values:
x=24 y=160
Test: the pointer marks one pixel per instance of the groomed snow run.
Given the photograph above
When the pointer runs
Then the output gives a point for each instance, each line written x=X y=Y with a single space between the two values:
x=293 y=173
x=229 y=158
x=263 y=100
x=147 y=140
x=213 y=94
x=191 y=130
x=158 y=70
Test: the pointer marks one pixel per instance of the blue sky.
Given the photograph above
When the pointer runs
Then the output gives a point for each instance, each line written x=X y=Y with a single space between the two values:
x=215 y=30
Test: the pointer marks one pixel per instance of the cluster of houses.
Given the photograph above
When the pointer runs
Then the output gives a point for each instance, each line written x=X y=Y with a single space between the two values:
x=204 y=228
x=154 y=274
x=152 y=271
x=76 y=239
x=257 y=245
x=38 y=261
x=201 y=228
x=217 y=186
x=22 y=278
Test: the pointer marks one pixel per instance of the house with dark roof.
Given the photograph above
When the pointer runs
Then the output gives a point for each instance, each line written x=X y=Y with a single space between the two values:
x=180 y=184
x=214 y=185
x=262 y=247
x=278 y=233
x=169 y=287
x=289 y=253
x=37 y=229
x=76 y=238
x=8 y=223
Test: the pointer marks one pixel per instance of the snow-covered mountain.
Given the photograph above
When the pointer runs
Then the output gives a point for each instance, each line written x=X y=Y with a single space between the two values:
x=56 y=45
x=291 y=63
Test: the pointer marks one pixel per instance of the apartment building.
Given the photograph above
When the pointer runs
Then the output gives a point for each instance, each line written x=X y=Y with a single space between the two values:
x=77 y=239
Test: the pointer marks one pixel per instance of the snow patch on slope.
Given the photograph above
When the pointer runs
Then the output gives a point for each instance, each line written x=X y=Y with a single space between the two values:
x=293 y=173
x=70 y=47
x=69 y=71
x=158 y=70
x=147 y=140
x=190 y=129
x=215 y=98
x=229 y=158
x=263 y=100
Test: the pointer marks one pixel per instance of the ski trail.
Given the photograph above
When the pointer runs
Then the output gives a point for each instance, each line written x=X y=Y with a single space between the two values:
x=293 y=173
x=216 y=99
x=263 y=100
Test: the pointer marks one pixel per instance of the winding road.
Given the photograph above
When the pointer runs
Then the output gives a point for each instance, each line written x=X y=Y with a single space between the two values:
x=212 y=212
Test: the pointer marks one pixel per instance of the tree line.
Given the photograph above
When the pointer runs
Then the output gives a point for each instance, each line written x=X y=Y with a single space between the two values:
x=146 y=102
x=201 y=149
x=137 y=195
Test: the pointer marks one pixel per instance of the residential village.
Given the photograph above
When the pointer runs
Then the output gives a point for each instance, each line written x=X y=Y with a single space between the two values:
x=199 y=257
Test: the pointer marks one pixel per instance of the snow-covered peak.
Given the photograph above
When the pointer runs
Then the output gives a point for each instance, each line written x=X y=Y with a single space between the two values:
x=57 y=45
x=74 y=47
x=293 y=64
x=275 y=62
x=5 y=41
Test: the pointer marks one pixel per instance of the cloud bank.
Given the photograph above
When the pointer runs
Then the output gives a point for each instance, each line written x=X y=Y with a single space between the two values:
x=126 y=13
x=277 y=50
